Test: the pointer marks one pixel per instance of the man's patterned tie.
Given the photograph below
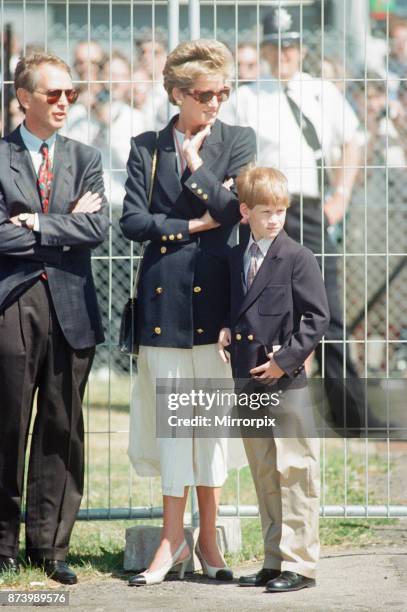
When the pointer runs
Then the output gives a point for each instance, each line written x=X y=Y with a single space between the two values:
x=45 y=178
x=254 y=263
x=45 y=183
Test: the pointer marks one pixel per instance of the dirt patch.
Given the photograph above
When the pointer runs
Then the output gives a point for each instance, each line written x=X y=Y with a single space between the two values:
x=352 y=580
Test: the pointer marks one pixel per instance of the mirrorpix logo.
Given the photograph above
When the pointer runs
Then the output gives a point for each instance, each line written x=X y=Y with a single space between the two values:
x=282 y=19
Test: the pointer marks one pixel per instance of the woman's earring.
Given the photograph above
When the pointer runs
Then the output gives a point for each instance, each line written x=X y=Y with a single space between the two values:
x=179 y=103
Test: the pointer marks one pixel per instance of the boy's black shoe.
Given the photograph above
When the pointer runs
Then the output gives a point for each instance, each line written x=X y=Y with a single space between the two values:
x=289 y=581
x=260 y=579
x=57 y=570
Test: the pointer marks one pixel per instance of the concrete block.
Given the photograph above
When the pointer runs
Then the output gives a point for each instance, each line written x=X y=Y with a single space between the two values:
x=229 y=534
x=143 y=540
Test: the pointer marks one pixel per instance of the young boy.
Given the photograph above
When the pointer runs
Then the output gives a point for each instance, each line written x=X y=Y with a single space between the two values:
x=279 y=310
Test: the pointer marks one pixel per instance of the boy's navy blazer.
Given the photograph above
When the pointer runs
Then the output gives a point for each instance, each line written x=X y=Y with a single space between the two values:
x=286 y=305
x=184 y=285
x=24 y=254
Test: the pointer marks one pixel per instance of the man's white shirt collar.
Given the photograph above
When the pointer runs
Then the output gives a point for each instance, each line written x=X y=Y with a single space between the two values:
x=33 y=143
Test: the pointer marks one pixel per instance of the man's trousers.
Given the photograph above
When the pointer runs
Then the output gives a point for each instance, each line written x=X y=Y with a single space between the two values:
x=35 y=359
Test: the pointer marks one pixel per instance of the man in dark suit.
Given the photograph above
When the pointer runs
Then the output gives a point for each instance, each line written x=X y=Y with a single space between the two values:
x=279 y=313
x=51 y=214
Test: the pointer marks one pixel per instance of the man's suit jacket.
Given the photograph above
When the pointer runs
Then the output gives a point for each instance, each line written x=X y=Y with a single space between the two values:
x=24 y=254
x=286 y=305
x=183 y=291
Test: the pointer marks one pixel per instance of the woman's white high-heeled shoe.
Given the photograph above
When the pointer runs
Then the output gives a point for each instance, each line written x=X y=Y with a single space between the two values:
x=217 y=573
x=157 y=577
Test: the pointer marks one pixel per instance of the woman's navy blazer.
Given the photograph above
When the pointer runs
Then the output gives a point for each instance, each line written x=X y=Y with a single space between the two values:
x=184 y=283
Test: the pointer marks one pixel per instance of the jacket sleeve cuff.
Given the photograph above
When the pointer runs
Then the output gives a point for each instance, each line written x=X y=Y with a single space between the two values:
x=222 y=204
x=174 y=231
x=285 y=363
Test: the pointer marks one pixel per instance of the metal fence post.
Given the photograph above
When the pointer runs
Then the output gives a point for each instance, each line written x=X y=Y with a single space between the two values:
x=194 y=33
x=173 y=33
x=173 y=24
x=194 y=21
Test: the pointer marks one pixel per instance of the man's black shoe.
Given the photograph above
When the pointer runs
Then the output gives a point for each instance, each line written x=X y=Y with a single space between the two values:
x=289 y=581
x=57 y=570
x=260 y=579
x=9 y=564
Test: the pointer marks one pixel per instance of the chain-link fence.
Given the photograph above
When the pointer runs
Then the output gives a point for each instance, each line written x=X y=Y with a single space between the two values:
x=117 y=50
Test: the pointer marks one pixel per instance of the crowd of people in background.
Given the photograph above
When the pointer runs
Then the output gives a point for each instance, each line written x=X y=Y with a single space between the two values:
x=122 y=96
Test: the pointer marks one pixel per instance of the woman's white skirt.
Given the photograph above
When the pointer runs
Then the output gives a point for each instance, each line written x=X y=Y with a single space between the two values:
x=180 y=461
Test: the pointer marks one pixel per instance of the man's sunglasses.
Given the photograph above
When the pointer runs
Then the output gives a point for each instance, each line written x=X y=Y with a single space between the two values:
x=206 y=96
x=53 y=95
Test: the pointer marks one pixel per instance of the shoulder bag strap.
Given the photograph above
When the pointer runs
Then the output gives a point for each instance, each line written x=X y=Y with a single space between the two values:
x=150 y=196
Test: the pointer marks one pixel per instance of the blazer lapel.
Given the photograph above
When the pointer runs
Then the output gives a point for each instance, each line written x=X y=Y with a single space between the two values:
x=62 y=176
x=167 y=174
x=237 y=270
x=24 y=173
x=262 y=277
x=212 y=147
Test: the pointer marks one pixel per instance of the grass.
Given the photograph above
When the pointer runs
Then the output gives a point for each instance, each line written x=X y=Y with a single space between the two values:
x=97 y=546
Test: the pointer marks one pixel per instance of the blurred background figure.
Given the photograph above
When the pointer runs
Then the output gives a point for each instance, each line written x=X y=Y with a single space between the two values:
x=378 y=208
x=16 y=114
x=400 y=115
x=9 y=58
x=152 y=55
x=116 y=70
x=333 y=70
x=8 y=61
x=15 y=49
x=383 y=142
x=140 y=88
x=247 y=63
x=108 y=121
x=88 y=59
x=141 y=97
x=398 y=48
x=117 y=120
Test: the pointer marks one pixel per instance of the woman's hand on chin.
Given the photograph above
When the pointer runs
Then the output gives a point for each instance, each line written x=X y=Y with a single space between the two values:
x=191 y=145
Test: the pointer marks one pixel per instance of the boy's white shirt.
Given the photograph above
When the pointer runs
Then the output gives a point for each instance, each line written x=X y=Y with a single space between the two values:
x=264 y=244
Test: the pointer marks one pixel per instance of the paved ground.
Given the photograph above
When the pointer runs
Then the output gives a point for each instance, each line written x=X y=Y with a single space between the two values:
x=371 y=579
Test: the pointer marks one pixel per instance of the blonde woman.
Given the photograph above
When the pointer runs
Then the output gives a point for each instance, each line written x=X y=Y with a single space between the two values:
x=183 y=289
